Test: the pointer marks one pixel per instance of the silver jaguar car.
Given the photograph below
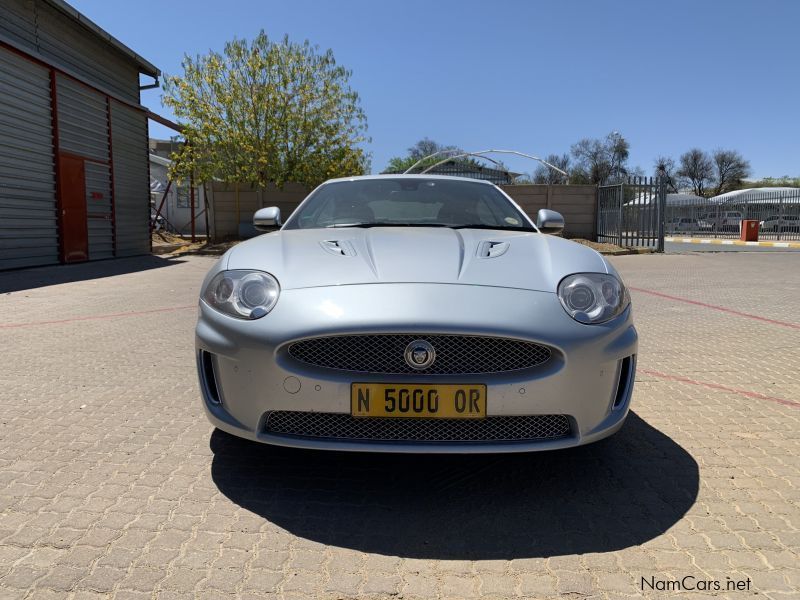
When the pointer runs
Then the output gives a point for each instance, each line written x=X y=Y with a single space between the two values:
x=415 y=313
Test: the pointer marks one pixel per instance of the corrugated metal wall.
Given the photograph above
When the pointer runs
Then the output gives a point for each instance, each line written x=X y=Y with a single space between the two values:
x=131 y=180
x=99 y=210
x=28 y=212
x=43 y=31
x=82 y=120
x=83 y=131
x=17 y=22
x=54 y=46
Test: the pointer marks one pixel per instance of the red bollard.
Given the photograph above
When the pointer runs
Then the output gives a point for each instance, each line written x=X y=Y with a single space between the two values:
x=749 y=231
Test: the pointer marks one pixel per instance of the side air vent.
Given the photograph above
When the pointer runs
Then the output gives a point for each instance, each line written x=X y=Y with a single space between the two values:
x=338 y=247
x=209 y=376
x=492 y=249
x=625 y=381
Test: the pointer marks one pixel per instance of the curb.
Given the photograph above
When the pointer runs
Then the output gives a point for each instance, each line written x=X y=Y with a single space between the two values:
x=626 y=251
x=731 y=242
x=160 y=249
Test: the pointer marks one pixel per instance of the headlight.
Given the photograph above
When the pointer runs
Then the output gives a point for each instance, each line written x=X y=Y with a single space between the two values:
x=242 y=294
x=593 y=297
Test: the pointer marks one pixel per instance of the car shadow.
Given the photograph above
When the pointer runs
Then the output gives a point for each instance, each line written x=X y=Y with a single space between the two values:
x=18 y=280
x=614 y=494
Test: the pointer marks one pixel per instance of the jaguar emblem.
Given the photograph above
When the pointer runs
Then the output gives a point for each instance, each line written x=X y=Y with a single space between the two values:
x=420 y=354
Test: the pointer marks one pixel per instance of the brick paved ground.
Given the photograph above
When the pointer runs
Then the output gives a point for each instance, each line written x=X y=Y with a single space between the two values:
x=113 y=484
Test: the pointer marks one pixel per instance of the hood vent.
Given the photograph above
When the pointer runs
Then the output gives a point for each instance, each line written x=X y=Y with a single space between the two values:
x=338 y=247
x=492 y=249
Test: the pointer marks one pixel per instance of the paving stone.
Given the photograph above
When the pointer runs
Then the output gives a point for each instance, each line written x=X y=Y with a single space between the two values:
x=538 y=584
x=102 y=579
x=113 y=484
x=453 y=586
x=497 y=585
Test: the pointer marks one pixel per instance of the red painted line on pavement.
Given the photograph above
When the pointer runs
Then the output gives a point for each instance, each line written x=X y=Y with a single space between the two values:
x=724 y=388
x=137 y=313
x=715 y=307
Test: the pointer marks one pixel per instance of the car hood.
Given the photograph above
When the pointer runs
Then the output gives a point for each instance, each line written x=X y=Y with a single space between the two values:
x=302 y=258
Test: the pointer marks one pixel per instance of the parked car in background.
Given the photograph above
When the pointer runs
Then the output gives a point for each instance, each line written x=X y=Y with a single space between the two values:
x=782 y=224
x=723 y=220
x=688 y=224
x=703 y=225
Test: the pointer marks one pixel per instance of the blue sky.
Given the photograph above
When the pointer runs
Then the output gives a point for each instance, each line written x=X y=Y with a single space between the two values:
x=530 y=76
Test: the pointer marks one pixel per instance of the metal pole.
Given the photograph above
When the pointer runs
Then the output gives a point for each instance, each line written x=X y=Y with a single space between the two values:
x=780 y=217
x=238 y=216
x=205 y=210
x=191 y=203
x=662 y=205
x=160 y=206
x=597 y=229
x=620 y=196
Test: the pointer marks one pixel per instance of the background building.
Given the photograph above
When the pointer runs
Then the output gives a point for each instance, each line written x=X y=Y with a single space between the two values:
x=471 y=169
x=474 y=170
x=176 y=211
x=74 y=180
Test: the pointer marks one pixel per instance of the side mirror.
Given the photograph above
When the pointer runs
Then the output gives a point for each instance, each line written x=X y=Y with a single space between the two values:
x=549 y=221
x=267 y=218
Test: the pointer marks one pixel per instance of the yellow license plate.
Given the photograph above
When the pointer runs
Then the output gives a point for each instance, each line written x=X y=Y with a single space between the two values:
x=450 y=401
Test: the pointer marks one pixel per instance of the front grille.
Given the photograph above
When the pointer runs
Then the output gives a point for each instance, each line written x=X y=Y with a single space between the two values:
x=385 y=353
x=340 y=426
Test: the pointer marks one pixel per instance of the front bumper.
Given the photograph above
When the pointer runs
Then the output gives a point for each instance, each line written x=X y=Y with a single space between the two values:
x=244 y=364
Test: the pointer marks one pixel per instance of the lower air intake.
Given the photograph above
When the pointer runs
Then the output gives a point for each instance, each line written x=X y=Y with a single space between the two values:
x=340 y=426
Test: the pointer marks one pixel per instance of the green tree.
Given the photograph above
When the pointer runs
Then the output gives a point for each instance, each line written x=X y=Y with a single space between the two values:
x=785 y=181
x=267 y=112
x=544 y=174
x=730 y=169
x=601 y=161
x=697 y=169
x=424 y=147
x=665 y=168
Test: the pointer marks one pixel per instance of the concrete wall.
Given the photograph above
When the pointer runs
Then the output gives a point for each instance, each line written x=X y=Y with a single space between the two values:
x=578 y=204
x=229 y=208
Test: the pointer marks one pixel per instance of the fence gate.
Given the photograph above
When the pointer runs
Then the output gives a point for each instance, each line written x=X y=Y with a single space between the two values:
x=632 y=213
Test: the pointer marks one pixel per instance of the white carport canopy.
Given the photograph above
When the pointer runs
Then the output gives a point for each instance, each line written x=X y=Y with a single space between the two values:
x=765 y=195
x=671 y=200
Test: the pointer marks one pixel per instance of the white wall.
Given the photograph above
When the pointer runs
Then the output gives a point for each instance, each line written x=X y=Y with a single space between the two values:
x=179 y=217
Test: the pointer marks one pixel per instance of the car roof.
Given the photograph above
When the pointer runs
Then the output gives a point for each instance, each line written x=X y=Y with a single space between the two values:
x=410 y=176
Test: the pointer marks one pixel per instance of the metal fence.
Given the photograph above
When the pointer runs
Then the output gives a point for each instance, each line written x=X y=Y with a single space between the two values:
x=632 y=213
x=778 y=214
x=639 y=212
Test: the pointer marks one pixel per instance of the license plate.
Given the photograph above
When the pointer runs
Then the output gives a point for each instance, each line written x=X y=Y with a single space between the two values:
x=448 y=401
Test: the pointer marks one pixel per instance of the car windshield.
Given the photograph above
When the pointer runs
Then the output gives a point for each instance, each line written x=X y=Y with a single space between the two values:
x=412 y=202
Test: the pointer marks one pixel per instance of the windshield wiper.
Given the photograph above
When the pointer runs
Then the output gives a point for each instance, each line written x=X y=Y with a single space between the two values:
x=497 y=227
x=473 y=226
x=367 y=225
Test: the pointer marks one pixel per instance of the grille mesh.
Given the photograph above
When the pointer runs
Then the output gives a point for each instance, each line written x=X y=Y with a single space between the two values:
x=345 y=427
x=455 y=354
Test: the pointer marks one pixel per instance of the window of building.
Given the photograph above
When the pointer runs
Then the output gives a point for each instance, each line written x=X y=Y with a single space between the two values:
x=183 y=195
